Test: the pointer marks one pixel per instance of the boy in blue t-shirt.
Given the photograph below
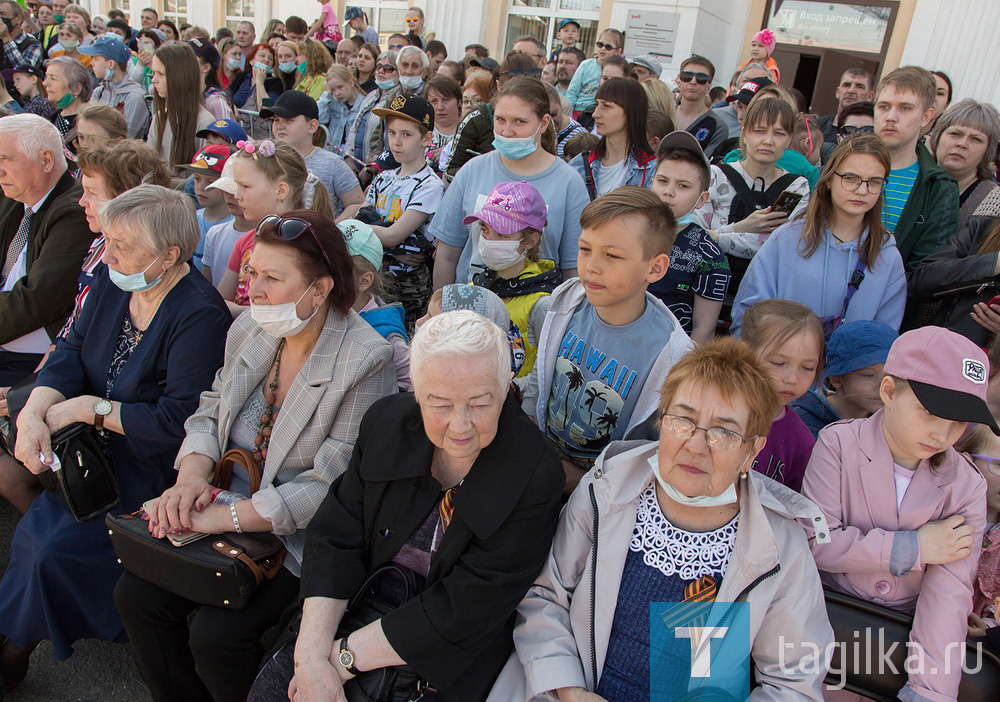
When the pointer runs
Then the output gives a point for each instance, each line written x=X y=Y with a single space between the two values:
x=607 y=344
x=696 y=282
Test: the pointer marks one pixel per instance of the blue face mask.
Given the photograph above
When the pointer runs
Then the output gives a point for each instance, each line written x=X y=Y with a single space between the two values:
x=385 y=84
x=514 y=148
x=135 y=282
x=287 y=66
x=267 y=69
x=109 y=73
x=234 y=64
x=686 y=219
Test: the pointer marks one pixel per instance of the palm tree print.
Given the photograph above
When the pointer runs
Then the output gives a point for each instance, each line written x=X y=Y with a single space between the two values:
x=593 y=394
x=609 y=420
x=575 y=381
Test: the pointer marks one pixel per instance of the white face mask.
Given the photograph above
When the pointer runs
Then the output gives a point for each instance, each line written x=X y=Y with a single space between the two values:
x=499 y=255
x=727 y=497
x=411 y=82
x=281 y=320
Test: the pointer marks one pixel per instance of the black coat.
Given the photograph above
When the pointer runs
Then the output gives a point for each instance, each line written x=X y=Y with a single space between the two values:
x=457 y=634
x=946 y=284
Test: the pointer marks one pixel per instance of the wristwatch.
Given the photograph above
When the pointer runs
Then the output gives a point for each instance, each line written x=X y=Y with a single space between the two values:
x=102 y=408
x=347 y=658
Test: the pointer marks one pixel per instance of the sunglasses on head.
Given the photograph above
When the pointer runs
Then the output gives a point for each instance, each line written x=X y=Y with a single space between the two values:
x=606 y=47
x=387 y=67
x=292 y=228
x=701 y=78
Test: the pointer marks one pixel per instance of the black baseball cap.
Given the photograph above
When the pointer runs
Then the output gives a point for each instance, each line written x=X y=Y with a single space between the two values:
x=37 y=72
x=205 y=51
x=748 y=89
x=291 y=104
x=410 y=107
x=485 y=62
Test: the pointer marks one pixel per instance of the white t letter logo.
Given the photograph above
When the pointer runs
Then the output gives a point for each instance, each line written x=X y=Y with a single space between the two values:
x=701 y=658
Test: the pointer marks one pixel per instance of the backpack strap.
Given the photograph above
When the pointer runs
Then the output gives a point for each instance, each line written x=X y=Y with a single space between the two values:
x=734 y=178
x=856 y=279
x=588 y=177
x=780 y=184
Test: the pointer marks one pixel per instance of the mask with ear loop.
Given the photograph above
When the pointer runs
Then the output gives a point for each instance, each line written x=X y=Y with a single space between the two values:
x=727 y=497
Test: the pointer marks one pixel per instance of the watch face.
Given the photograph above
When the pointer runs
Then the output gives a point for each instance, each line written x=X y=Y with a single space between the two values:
x=346 y=658
x=103 y=407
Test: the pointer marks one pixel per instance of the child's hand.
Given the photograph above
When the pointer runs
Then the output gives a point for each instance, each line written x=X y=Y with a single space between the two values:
x=945 y=541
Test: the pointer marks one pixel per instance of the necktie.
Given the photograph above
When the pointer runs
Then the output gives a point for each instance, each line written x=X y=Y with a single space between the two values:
x=17 y=243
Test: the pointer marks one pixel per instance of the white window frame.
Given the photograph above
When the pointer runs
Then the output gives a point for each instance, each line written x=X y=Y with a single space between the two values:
x=236 y=19
x=178 y=18
x=374 y=8
x=550 y=14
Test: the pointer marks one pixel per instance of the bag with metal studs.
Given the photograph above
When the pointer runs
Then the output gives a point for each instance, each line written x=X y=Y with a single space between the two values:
x=223 y=570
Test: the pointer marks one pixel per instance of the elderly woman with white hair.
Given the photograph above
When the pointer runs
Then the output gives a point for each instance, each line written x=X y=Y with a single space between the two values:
x=964 y=143
x=147 y=344
x=451 y=483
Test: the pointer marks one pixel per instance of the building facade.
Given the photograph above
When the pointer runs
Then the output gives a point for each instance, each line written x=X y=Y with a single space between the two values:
x=817 y=39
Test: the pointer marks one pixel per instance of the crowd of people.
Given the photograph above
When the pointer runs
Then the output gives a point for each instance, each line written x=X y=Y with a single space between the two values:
x=476 y=318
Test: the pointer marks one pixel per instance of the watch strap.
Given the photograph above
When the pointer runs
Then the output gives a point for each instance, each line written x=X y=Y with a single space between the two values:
x=352 y=668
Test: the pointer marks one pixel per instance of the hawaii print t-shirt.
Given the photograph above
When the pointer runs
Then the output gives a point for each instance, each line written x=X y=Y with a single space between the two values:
x=598 y=375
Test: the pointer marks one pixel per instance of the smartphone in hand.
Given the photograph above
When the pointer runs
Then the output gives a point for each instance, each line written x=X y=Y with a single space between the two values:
x=786 y=202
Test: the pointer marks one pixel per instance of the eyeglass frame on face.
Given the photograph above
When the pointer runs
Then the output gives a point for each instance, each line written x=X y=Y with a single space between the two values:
x=849 y=129
x=989 y=463
x=525 y=53
x=386 y=67
x=468 y=102
x=694 y=76
x=601 y=45
x=713 y=435
x=278 y=221
x=867 y=182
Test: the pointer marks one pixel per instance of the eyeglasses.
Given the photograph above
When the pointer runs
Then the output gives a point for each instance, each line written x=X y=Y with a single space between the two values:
x=606 y=47
x=701 y=78
x=718 y=439
x=994 y=469
x=386 y=67
x=847 y=130
x=471 y=102
x=525 y=53
x=292 y=228
x=515 y=72
x=396 y=47
x=852 y=181
x=412 y=19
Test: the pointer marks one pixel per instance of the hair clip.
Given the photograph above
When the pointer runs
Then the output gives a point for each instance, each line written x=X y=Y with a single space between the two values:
x=266 y=148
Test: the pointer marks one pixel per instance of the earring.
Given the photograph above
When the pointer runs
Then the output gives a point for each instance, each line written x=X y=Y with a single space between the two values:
x=743 y=476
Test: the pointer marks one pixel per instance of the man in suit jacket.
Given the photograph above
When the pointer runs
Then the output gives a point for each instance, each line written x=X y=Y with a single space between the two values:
x=41 y=252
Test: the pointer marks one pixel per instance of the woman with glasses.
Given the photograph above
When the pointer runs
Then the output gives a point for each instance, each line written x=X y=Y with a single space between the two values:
x=680 y=520
x=837 y=259
x=364 y=137
x=304 y=365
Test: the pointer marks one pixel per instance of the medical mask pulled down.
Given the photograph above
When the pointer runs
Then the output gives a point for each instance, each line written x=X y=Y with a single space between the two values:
x=281 y=320
x=727 y=497
x=234 y=64
x=385 y=84
x=514 y=148
x=136 y=282
x=500 y=255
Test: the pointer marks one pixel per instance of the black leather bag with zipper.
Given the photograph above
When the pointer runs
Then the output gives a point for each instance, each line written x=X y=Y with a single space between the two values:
x=86 y=480
x=224 y=570
x=371 y=602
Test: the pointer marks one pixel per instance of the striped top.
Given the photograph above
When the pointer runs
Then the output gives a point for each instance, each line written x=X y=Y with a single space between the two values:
x=897 y=192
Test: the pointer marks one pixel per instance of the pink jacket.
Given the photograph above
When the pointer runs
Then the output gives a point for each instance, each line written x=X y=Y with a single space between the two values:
x=873 y=553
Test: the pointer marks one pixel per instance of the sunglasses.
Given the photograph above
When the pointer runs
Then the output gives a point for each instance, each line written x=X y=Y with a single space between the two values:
x=992 y=463
x=412 y=19
x=387 y=67
x=515 y=72
x=292 y=228
x=606 y=47
x=848 y=130
x=701 y=78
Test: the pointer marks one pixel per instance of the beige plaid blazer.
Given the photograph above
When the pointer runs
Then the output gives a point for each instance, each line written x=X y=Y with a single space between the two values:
x=350 y=368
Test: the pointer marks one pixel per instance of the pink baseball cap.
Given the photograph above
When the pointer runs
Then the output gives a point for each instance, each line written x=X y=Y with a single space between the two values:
x=512 y=207
x=948 y=373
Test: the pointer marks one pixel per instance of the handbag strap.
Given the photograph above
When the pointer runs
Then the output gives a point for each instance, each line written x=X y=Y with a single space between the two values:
x=388 y=569
x=588 y=177
x=271 y=565
x=223 y=475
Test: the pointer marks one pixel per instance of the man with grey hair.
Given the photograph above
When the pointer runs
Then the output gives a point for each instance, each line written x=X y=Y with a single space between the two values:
x=412 y=64
x=527 y=44
x=43 y=240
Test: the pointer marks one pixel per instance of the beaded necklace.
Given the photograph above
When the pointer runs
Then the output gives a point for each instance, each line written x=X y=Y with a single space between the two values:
x=267 y=419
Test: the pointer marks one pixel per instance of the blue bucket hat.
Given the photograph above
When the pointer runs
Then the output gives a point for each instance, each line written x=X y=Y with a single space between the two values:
x=856 y=345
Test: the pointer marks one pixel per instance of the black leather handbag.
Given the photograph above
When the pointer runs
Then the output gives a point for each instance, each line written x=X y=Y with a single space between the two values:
x=86 y=480
x=874 y=678
x=394 y=684
x=223 y=571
